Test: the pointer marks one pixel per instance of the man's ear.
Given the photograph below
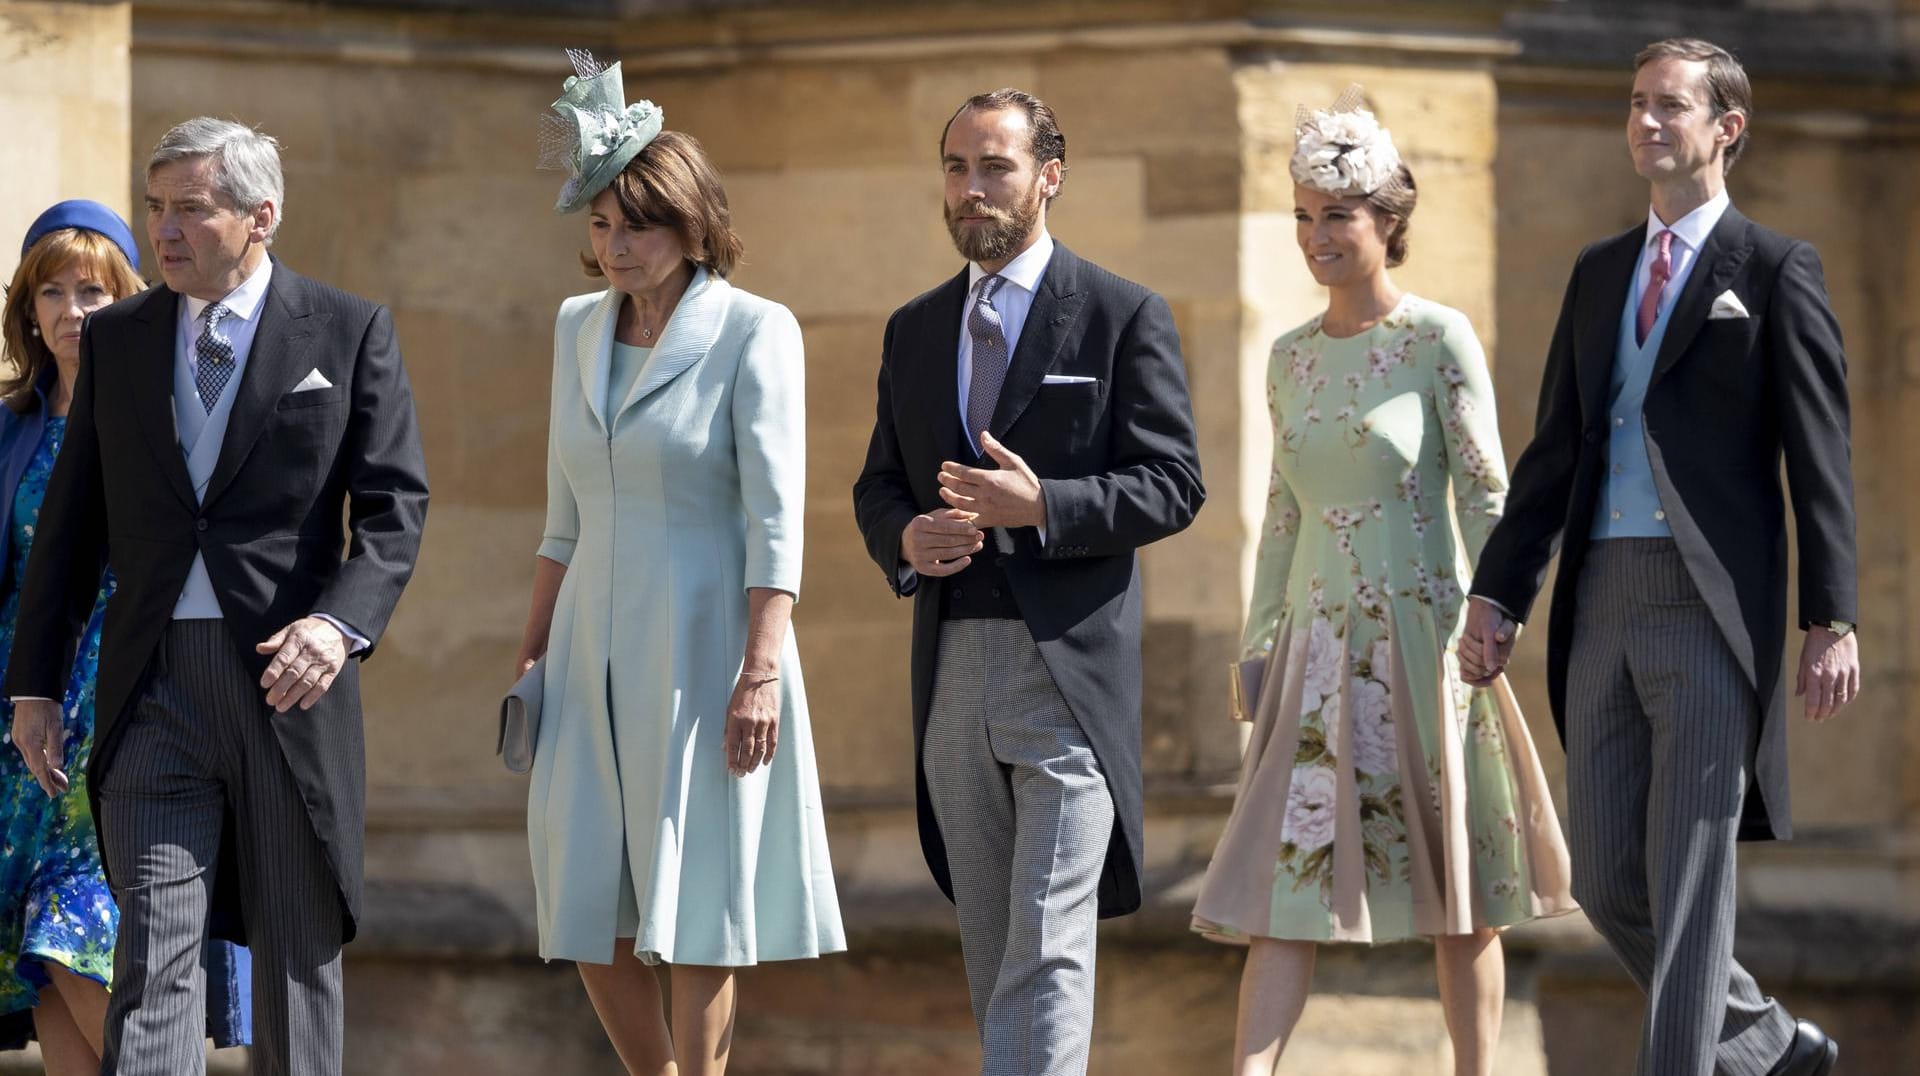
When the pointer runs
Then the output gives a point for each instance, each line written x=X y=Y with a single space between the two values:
x=263 y=217
x=1051 y=174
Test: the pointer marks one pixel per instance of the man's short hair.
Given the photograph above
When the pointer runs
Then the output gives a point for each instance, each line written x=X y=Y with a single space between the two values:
x=246 y=162
x=1047 y=144
x=1727 y=87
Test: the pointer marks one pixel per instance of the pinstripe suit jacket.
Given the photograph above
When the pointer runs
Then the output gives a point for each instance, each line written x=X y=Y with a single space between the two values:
x=269 y=526
x=1730 y=398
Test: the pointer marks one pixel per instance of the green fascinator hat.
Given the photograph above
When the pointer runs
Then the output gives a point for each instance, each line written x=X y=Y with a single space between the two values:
x=592 y=133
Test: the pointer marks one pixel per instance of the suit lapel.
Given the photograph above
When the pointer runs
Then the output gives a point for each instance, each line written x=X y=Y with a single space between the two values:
x=276 y=363
x=942 y=374
x=155 y=323
x=593 y=348
x=685 y=339
x=1613 y=271
x=1726 y=250
x=1048 y=321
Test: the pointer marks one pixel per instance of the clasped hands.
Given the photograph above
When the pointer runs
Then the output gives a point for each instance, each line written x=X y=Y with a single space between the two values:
x=308 y=655
x=943 y=542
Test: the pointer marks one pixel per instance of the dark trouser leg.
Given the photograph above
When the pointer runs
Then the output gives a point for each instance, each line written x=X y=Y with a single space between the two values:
x=161 y=805
x=1661 y=727
x=288 y=894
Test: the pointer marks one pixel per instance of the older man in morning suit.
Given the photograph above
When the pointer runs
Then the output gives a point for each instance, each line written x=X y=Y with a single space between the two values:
x=1033 y=431
x=220 y=426
x=1693 y=354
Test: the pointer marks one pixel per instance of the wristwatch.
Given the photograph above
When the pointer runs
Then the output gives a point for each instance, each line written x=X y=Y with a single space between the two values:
x=1841 y=628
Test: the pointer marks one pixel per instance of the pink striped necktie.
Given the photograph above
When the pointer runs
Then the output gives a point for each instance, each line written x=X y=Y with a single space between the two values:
x=1662 y=271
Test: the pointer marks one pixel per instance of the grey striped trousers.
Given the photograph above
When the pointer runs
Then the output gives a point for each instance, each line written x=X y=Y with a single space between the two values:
x=1026 y=816
x=1661 y=729
x=199 y=754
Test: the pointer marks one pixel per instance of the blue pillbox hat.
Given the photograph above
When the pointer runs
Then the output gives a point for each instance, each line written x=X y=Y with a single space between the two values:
x=90 y=215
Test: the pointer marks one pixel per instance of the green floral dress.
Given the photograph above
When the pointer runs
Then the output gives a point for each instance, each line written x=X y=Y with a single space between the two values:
x=1381 y=797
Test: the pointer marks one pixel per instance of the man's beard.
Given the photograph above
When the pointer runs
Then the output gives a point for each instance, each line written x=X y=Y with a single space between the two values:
x=997 y=240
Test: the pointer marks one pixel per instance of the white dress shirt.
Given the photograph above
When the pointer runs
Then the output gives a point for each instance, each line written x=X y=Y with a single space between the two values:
x=1689 y=235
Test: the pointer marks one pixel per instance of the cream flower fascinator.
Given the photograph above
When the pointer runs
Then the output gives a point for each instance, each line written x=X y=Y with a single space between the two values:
x=1343 y=151
x=592 y=133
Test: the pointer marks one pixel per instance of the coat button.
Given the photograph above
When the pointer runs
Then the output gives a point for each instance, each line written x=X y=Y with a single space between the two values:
x=995 y=592
x=1616 y=513
x=1618 y=421
x=958 y=593
x=1593 y=437
x=1658 y=514
x=200 y=524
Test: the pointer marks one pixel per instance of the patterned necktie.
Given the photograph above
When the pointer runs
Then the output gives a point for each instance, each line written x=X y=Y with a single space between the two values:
x=989 y=357
x=1662 y=271
x=213 y=353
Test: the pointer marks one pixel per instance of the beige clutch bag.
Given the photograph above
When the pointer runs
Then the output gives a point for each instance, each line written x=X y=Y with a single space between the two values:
x=520 y=720
x=1244 y=686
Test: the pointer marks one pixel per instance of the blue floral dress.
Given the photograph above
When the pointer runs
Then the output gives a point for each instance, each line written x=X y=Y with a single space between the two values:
x=55 y=905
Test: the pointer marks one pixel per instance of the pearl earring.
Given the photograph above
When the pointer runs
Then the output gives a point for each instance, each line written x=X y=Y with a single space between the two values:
x=35 y=330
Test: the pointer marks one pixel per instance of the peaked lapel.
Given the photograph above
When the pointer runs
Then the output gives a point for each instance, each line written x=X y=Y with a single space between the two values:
x=1614 y=268
x=155 y=323
x=947 y=309
x=1726 y=250
x=275 y=364
x=1048 y=322
x=685 y=339
x=593 y=349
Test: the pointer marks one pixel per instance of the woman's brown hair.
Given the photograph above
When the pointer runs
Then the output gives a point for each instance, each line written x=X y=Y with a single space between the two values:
x=672 y=184
x=1396 y=200
x=26 y=356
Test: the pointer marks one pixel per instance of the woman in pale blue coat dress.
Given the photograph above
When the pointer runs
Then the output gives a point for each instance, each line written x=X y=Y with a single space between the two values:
x=674 y=814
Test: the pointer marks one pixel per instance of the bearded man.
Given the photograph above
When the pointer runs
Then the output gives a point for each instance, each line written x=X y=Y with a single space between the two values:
x=1033 y=430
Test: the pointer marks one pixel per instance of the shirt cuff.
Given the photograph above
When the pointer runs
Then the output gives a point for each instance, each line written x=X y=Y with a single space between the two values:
x=356 y=642
x=1501 y=609
x=29 y=698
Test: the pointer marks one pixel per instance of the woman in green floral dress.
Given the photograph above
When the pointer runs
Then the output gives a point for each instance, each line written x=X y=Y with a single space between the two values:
x=1381 y=797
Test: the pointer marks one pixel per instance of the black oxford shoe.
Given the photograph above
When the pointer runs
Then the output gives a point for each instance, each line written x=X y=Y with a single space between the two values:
x=1810 y=1054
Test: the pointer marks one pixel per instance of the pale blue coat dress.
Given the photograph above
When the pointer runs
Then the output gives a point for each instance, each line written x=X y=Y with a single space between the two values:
x=666 y=507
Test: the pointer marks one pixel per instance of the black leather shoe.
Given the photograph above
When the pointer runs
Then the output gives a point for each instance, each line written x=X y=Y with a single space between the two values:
x=1810 y=1054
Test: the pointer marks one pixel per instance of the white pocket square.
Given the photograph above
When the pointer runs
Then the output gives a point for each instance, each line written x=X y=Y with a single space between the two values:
x=1067 y=379
x=314 y=380
x=1728 y=305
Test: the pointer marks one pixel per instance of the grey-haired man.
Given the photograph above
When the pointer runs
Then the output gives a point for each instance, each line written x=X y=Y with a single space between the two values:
x=221 y=425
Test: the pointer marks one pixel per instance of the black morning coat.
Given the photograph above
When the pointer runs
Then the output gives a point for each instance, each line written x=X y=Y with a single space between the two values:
x=1118 y=463
x=1730 y=397
x=292 y=467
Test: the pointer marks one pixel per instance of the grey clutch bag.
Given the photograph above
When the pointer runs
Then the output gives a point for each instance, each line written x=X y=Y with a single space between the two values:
x=520 y=720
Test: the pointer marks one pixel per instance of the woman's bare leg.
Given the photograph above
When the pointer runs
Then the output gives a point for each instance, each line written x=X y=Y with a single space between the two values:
x=1473 y=987
x=703 y=1009
x=626 y=996
x=1273 y=990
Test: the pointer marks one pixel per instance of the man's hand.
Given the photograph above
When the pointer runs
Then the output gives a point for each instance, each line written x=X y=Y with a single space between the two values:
x=307 y=655
x=1829 y=672
x=1486 y=643
x=41 y=741
x=1007 y=497
x=940 y=543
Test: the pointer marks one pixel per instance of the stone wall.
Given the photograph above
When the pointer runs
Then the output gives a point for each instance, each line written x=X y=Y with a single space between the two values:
x=64 y=87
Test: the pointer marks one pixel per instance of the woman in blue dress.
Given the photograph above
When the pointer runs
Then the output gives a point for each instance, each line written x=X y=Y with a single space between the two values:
x=57 y=916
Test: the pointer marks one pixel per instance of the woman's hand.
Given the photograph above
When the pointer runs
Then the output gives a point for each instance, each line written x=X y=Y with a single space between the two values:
x=522 y=663
x=753 y=723
x=38 y=735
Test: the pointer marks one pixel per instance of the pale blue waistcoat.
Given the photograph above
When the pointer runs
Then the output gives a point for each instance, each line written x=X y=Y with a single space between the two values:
x=1629 y=504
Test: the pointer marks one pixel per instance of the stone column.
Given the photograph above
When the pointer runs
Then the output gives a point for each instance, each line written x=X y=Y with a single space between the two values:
x=64 y=88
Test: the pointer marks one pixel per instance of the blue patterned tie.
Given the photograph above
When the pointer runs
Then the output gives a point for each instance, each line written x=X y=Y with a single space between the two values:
x=214 y=355
x=989 y=357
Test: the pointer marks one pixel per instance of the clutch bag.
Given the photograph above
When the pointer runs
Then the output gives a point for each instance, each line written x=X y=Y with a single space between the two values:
x=1244 y=686
x=520 y=720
